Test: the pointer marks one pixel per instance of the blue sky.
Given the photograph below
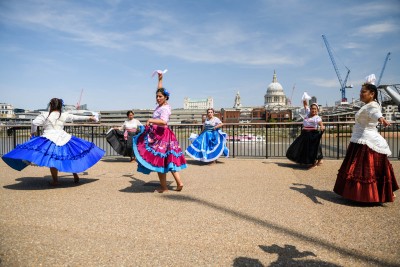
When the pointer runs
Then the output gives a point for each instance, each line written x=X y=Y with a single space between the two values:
x=210 y=48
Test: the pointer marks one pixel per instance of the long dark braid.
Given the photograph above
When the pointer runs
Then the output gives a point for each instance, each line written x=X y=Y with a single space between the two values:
x=372 y=88
x=55 y=105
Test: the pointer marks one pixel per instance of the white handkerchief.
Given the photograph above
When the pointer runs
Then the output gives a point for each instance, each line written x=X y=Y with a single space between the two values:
x=96 y=116
x=193 y=137
x=370 y=79
x=158 y=71
x=305 y=96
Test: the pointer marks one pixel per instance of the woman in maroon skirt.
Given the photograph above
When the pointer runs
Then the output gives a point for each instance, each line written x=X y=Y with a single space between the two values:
x=366 y=174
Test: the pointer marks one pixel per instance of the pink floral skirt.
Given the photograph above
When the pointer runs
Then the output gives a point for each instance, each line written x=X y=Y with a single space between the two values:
x=157 y=149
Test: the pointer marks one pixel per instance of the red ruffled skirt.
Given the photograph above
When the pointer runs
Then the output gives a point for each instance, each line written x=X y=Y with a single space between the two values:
x=366 y=176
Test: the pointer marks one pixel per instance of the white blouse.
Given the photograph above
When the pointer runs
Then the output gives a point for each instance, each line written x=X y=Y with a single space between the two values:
x=311 y=122
x=130 y=125
x=53 y=126
x=365 y=131
x=210 y=124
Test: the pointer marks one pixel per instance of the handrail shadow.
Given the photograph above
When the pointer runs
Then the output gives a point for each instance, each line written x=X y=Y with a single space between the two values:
x=281 y=229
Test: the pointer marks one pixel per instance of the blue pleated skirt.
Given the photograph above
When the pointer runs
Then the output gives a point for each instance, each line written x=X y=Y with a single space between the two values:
x=75 y=156
x=209 y=146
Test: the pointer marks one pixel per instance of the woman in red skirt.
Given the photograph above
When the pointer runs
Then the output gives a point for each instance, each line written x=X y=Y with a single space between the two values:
x=366 y=174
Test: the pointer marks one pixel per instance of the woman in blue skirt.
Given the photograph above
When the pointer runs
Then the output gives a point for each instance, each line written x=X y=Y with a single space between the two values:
x=211 y=142
x=55 y=149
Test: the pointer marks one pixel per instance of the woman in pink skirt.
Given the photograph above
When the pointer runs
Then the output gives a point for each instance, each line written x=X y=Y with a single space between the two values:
x=156 y=147
x=366 y=174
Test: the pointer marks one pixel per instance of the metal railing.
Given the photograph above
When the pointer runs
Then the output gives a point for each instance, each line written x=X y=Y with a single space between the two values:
x=251 y=140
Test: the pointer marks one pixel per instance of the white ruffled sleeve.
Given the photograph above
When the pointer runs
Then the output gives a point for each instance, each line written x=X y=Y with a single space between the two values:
x=374 y=111
x=38 y=121
x=72 y=117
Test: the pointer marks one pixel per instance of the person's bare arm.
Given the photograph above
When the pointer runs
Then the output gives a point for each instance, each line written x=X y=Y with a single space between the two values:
x=160 y=76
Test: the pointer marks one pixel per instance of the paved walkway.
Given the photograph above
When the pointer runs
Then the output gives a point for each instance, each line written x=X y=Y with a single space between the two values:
x=238 y=212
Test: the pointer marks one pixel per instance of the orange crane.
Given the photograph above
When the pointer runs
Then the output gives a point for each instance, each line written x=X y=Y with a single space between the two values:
x=78 y=105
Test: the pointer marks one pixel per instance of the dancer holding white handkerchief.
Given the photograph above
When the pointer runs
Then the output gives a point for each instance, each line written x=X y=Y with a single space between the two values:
x=306 y=149
x=366 y=174
x=156 y=147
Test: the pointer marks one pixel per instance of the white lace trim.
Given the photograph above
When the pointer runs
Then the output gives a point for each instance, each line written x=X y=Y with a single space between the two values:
x=59 y=137
x=375 y=147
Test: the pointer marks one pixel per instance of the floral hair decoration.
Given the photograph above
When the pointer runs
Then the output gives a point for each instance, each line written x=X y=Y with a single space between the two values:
x=166 y=92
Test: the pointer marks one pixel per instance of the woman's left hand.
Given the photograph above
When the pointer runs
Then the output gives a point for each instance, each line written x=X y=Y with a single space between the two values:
x=383 y=121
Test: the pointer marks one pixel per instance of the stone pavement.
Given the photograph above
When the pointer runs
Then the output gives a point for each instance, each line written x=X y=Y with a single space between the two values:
x=238 y=212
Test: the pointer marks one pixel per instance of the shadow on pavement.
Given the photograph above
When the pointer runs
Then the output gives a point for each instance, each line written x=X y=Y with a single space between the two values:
x=140 y=186
x=200 y=163
x=344 y=252
x=117 y=159
x=287 y=256
x=42 y=183
x=292 y=165
x=315 y=195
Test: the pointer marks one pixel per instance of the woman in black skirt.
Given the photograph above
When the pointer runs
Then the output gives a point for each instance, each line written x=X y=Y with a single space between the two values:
x=120 y=138
x=306 y=149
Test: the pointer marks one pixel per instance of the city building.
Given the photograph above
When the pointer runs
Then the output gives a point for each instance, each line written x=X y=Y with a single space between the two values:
x=6 y=110
x=275 y=98
x=178 y=116
x=202 y=104
x=313 y=100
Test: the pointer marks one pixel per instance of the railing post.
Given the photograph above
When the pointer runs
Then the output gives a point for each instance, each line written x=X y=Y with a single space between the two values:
x=92 y=134
x=338 y=141
x=233 y=141
x=266 y=141
x=14 y=131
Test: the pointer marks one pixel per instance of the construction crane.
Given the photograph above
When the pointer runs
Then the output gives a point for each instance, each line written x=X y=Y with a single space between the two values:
x=291 y=96
x=78 y=104
x=343 y=85
x=383 y=69
x=382 y=94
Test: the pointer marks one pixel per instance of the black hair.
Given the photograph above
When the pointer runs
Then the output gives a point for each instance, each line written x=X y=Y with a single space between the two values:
x=315 y=104
x=211 y=109
x=163 y=91
x=55 y=105
x=129 y=112
x=372 y=88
